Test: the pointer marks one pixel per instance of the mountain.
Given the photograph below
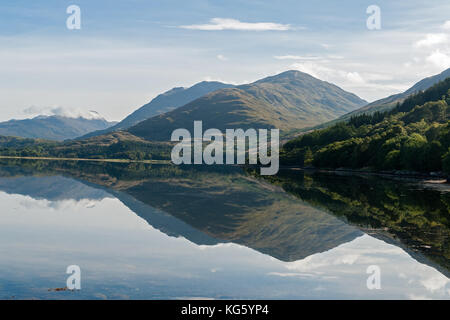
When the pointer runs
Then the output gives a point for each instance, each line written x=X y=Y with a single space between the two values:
x=52 y=127
x=287 y=101
x=390 y=102
x=164 y=102
x=414 y=136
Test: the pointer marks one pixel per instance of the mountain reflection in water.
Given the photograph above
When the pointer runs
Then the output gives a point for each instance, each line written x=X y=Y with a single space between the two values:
x=290 y=217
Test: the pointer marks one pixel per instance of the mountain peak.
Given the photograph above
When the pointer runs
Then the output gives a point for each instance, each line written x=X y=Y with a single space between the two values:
x=289 y=100
x=290 y=75
x=206 y=82
x=209 y=86
x=163 y=103
x=172 y=91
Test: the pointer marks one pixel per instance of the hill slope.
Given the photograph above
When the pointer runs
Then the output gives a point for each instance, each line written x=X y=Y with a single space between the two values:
x=390 y=102
x=52 y=127
x=164 y=102
x=18 y=142
x=415 y=135
x=114 y=145
x=286 y=101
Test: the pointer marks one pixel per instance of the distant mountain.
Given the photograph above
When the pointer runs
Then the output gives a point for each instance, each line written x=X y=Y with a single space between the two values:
x=164 y=102
x=57 y=128
x=390 y=102
x=289 y=100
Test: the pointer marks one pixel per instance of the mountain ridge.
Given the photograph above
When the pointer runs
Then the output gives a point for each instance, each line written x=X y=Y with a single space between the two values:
x=54 y=127
x=388 y=103
x=288 y=100
x=164 y=102
x=412 y=137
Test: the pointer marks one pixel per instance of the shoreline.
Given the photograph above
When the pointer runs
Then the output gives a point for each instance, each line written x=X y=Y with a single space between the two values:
x=428 y=178
x=87 y=159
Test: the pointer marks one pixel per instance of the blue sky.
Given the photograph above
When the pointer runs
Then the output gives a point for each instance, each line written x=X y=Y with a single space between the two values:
x=127 y=52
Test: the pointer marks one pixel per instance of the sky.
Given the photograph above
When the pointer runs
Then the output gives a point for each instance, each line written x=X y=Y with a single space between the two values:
x=127 y=52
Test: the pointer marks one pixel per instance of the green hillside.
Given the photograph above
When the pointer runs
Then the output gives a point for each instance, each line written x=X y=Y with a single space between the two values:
x=388 y=103
x=17 y=142
x=115 y=145
x=415 y=136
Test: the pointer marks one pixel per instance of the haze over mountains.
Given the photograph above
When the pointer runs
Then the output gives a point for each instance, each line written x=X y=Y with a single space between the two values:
x=53 y=127
x=290 y=100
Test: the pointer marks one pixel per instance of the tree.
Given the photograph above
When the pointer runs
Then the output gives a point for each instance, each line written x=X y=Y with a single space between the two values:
x=446 y=162
x=433 y=156
x=412 y=152
x=308 y=159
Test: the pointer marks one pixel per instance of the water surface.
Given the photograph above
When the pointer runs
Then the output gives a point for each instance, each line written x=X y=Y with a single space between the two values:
x=157 y=232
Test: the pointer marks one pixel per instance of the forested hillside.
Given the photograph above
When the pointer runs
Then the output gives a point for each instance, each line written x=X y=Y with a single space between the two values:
x=414 y=136
x=115 y=145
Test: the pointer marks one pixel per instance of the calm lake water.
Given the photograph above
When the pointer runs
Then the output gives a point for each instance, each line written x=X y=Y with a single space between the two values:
x=157 y=232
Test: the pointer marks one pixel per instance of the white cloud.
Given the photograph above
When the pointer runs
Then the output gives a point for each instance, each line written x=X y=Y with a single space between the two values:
x=432 y=39
x=314 y=69
x=210 y=78
x=378 y=77
x=435 y=282
x=432 y=51
x=61 y=111
x=354 y=77
x=446 y=25
x=222 y=57
x=293 y=57
x=217 y=24
x=291 y=274
x=417 y=297
x=328 y=73
x=439 y=59
x=334 y=56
